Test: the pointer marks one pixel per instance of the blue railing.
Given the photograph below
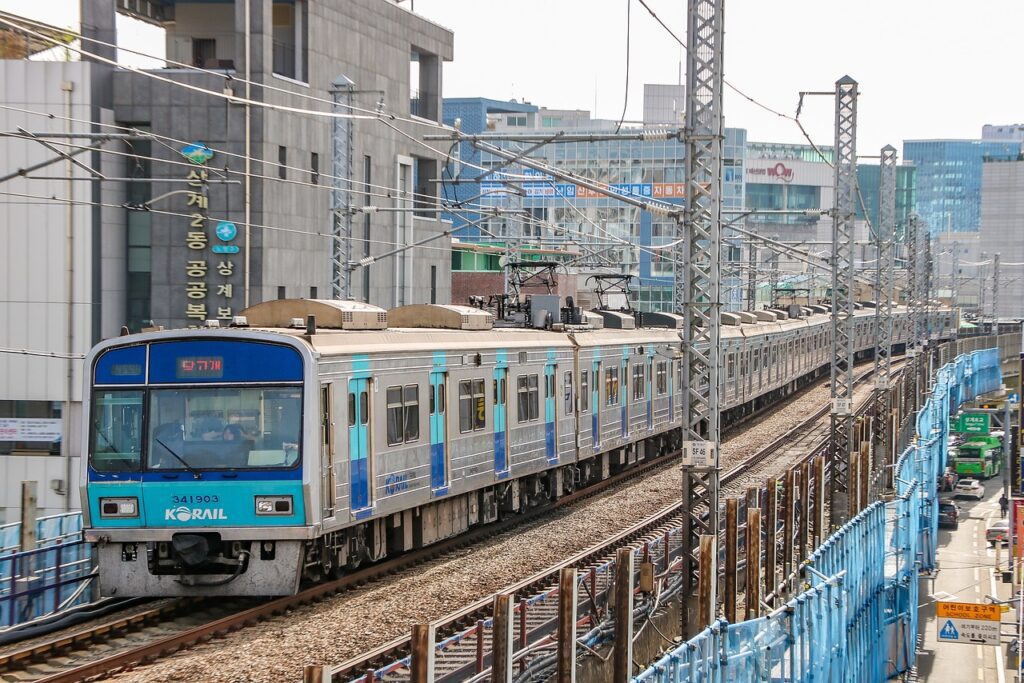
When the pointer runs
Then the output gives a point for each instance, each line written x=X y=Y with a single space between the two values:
x=52 y=577
x=858 y=619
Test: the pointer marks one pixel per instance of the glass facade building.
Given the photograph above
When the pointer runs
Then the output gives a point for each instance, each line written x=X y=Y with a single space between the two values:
x=906 y=193
x=949 y=179
x=612 y=236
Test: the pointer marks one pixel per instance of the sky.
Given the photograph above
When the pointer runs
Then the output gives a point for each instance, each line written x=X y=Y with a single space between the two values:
x=926 y=68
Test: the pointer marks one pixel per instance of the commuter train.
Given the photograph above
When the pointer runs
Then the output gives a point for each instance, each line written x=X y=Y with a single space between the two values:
x=312 y=436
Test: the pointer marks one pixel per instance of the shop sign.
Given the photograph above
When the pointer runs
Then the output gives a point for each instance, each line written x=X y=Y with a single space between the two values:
x=778 y=172
x=29 y=429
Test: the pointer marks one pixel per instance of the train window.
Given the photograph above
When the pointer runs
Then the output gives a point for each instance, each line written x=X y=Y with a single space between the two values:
x=364 y=407
x=472 y=405
x=549 y=386
x=351 y=410
x=567 y=392
x=757 y=360
x=730 y=366
x=403 y=414
x=661 y=374
x=117 y=431
x=528 y=397
x=639 y=385
x=584 y=391
x=611 y=386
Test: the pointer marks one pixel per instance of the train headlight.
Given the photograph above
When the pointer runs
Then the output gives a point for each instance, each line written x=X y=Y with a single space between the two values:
x=119 y=507
x=273 y=505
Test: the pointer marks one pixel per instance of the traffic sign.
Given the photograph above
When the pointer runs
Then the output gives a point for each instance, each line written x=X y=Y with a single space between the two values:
x=973 y=423
x=967 y=622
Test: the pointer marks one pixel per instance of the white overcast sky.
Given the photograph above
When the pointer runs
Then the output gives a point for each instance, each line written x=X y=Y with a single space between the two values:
x=927 y=68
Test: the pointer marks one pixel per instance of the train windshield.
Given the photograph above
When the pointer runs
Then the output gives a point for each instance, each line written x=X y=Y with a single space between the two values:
x=117 y=430
x=224 y=428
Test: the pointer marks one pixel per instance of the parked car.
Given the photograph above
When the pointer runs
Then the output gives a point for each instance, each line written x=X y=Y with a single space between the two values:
x=999 y=530
x=949 y=516
x=969 y=488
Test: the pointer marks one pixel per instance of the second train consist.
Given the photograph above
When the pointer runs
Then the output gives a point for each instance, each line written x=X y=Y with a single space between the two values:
x=313 y=436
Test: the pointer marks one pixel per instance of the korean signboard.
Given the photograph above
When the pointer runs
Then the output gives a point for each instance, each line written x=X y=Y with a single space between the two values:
x=973 y=423
x=210 y=264
x=29 y=429
x=966 y=622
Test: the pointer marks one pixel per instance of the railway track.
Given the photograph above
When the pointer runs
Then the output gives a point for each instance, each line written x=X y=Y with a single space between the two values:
x=465 y=635
x=124 y=642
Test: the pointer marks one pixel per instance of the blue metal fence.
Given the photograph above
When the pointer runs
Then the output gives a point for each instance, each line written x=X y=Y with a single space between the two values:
x=52 y=577
x=858 y=619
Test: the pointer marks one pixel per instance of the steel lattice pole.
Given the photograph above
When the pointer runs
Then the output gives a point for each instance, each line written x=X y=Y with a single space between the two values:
x=843 y=216
x=955 y=294
x=751 y=275
x=885 y=239
x=995 y=289
x=697 y=291
x=341 y=190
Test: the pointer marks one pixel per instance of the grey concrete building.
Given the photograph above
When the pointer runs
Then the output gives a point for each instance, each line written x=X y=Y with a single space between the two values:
x=116 y=240
x=1002 y=232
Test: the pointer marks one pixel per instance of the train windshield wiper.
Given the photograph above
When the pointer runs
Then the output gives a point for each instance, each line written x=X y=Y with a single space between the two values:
x=195 y=473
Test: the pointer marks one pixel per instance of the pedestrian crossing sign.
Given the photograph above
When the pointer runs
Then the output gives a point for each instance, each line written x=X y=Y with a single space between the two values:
x=949 y=631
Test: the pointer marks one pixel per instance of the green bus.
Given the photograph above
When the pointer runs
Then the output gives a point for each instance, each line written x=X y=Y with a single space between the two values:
x=980 y=458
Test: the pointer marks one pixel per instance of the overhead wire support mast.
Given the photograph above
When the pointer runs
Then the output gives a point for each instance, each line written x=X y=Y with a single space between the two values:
x=341 y=191
x=697 y=294
x=844 y=213
x=885 y=238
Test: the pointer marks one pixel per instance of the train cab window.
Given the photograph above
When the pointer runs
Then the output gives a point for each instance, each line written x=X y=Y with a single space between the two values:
x=472 y=405
x=584 y=391
x=403 y=414
x=567 y=392
x=611 y=386
x=639 y=385
x=116 y=444
x=528 y=397
x=661 y=377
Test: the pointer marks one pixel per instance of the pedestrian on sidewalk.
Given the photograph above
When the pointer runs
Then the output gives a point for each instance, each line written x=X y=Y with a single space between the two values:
x=1003 y=504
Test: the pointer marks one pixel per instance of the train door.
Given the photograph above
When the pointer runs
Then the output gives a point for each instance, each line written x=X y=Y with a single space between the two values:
x=327 y=492
x=438 y=432
x=595 y=405
x=549 y=412
x=359 y=446
x=501 y=468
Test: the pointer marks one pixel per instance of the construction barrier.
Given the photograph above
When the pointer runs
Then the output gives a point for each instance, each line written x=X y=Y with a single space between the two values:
x=857 y=619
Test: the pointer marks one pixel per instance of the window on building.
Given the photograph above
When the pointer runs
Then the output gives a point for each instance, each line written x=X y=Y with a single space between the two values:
x=139 y=261
x=312 y=292
x=281 y=294
x=282 y=162
x=424 y=82
x=425 y=199
x=35 y=428
x=403 y=414
x=472 y=405
x=291 y=39
x=314 y=168
x=518 y=120
x=528 y=397
x=550 y=121
x=611 y=386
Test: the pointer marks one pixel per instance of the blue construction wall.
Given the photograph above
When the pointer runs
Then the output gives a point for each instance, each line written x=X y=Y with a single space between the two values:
x=858 y=620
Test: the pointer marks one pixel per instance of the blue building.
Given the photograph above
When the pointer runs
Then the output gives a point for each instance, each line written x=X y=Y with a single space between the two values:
x=611 y=235
x=949 y=179
x=868 y=176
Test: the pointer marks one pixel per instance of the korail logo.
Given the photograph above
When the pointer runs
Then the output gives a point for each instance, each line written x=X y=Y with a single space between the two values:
x=185 y=514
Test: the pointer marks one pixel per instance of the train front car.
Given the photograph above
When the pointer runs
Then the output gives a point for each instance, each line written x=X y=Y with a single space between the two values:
x=195 y=478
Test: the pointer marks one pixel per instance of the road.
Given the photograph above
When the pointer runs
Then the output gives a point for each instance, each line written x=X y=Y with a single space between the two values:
x=966 y=574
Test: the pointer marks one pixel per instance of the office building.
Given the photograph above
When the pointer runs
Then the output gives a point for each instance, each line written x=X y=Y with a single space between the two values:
x=1002 y=215
x=1012 y=131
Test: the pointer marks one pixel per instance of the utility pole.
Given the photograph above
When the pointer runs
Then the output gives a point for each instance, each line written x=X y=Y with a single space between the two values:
x=697 y=294
x=885 y=241
x=341 y=189
x=995 y=292
x=843 y=215
x=751 y=275
x=955 y=294
x=982 y=277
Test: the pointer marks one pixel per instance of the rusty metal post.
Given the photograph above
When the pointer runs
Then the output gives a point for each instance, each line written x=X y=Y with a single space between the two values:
x=567 y=600
x=732 y=506
x=422 y=666
x=313 y=673
x=771 y=528
x=501 y=639
x=524 y=635
x=753 y=497
x=707 y=581
x=592 y=580
x=805 y=509
x=819 y=500
x=623 y=654
x=788 y=514
x=479 y=646
x=752 y=592
x=865 y=474
x=852 y=485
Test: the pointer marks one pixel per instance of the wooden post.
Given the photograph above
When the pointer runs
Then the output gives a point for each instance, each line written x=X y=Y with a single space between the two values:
x=313 y=673
x=422 y=666
x=479 y=646
x=865 y=475
x=707 y=581
x=567 y=600
x=752 y=594
x=852 y=484
x=29 y=513
x=788 y=514
x=771 y=524
x=732 y=506
x=623 y=653
x=805 y=510
x=819 y=500
x=501 y=639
